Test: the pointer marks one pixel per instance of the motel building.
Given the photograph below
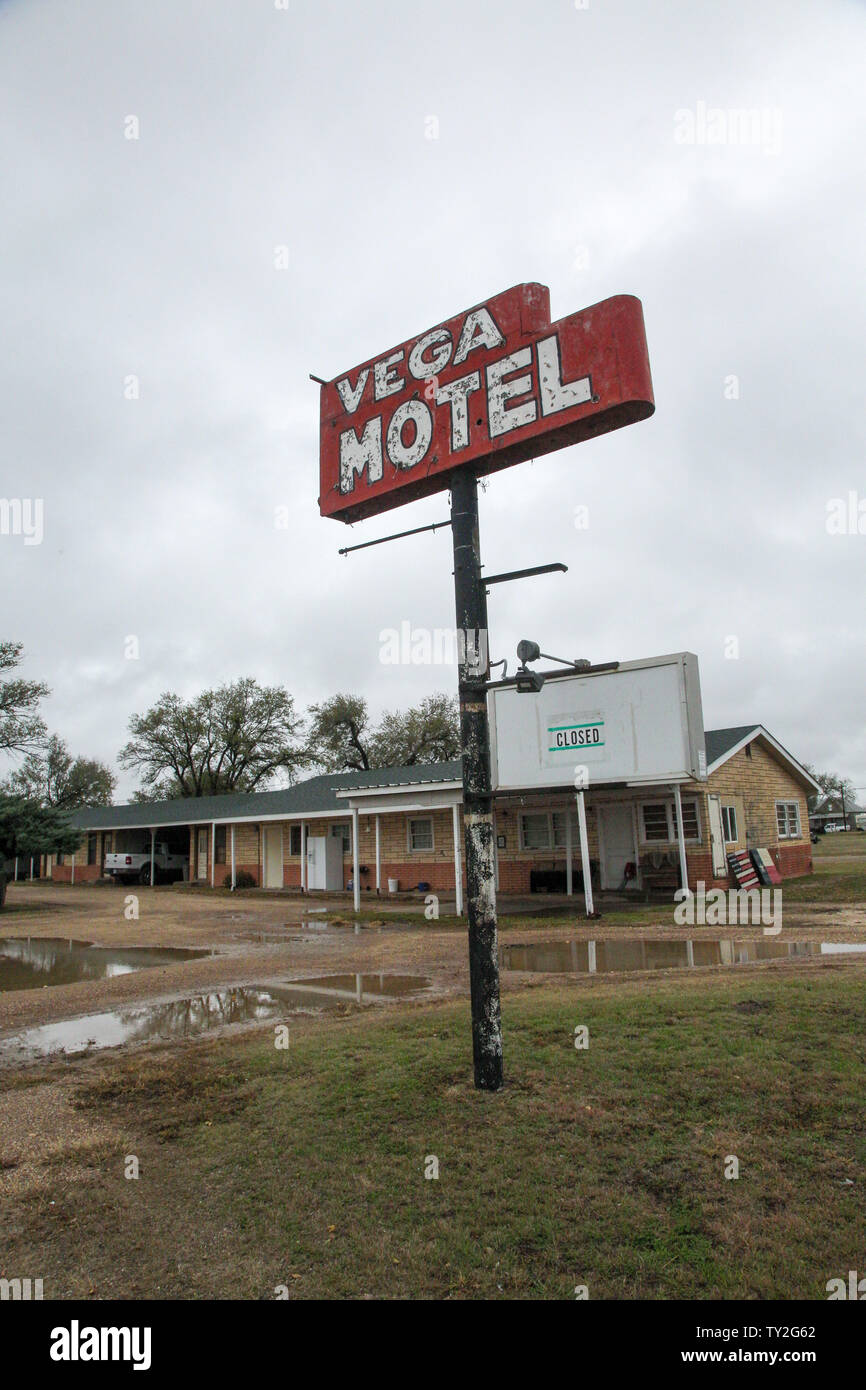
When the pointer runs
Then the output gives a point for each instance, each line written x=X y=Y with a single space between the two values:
x=400 y=829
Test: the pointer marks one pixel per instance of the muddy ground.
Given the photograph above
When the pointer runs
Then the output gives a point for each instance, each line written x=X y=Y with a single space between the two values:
x=232 y=927
x=45 y=1137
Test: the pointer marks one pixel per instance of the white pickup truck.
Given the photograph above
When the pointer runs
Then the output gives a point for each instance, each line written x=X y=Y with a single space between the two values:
x=134 y=867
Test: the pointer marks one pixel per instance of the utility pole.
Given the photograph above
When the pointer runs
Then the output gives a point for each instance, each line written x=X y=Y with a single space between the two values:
x=470 y=597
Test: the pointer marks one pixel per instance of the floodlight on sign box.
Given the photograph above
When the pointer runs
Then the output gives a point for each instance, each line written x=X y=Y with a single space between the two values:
x=528 y=682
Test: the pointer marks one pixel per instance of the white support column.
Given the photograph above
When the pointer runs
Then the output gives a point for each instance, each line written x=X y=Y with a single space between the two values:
x=378 y=856
x=356 y=877
x=152 y=854
x=31 y=868
x=303 y=856
x=681 y=839
x=592 y=961
x=16 y=868
x=234 y=861
x=72 y=875
x=212 y=853
x=458 y=868
x=569 y=873
x=584 y=854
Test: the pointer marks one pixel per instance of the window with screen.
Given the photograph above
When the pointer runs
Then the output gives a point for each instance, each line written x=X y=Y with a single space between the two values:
x=660 y=822
x=788 y=819
x=343 y=832
x=655 y=821
x=535 y=830
x=420 y=832
x=560 y=830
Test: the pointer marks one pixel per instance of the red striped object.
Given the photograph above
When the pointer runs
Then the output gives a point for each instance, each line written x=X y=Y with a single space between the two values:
x=741 y=866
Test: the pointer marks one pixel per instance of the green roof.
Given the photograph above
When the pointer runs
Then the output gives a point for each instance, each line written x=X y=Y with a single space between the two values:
x=316 y=795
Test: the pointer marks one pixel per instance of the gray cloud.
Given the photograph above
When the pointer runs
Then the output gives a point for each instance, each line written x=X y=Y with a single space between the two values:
x=556 y=160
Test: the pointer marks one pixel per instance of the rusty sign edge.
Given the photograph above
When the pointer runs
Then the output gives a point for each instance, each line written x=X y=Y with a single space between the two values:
x=584 y=421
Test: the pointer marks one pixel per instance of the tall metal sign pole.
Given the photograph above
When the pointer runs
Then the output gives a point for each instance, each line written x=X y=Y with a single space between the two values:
x=491 y=387
x=470 y=596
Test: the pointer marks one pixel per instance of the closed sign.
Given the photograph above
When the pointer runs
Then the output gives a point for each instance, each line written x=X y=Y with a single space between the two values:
x=562 y=738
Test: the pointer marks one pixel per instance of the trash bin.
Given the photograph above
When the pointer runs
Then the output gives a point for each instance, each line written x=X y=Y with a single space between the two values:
x=393 y=885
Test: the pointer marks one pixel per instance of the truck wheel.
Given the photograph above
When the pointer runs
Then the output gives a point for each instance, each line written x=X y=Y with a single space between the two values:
x=144 y=875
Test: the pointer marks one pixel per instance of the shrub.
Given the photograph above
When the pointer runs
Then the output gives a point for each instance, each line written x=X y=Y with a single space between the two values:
x=243 y=879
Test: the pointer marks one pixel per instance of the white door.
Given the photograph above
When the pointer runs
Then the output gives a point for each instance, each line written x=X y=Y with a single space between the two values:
x=273 y=856
x=616 y=843
x=201 y=867
x=717 y=837
x=315 y=862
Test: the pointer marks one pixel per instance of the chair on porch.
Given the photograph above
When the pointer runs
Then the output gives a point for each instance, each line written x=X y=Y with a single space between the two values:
x=660 y=871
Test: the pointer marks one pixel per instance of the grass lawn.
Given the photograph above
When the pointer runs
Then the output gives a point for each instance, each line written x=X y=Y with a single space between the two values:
x=848 y=842
x=602 y=1167
x=838 y=879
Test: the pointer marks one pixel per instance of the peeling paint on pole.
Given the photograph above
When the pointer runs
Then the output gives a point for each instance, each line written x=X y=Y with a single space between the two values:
x=471 y=604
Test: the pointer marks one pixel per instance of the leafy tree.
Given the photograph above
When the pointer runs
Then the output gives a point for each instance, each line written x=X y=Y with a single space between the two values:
x=234 y=738
x=54 y=778
x=425 y=733
x=841 y=789
x=21 y=727
x=27 y=828
x=341 y=738
x=339 y=734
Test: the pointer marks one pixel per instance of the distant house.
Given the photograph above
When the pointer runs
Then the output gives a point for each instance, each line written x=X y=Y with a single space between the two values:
x=828 y=810
x=407 y=825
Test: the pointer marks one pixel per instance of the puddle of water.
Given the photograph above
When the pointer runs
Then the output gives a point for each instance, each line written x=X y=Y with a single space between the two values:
x=362 y=989
x=30 y=962
x=184 y=1018
x=602 y=957
x=301 y=931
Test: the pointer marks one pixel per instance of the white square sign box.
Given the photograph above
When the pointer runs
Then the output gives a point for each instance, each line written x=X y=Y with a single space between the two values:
x=639 y=724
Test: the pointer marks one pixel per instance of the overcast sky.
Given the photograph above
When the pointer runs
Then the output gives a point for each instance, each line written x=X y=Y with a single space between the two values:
x=416 y=159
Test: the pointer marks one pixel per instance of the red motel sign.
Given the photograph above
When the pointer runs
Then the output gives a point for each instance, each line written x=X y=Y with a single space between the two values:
x=491 y=387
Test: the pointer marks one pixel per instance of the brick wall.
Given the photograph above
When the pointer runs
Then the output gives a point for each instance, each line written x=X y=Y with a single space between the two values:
x=84 y=872
x=753 y=785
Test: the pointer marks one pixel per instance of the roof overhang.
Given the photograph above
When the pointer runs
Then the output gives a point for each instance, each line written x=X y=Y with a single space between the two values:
x=213 y=820
x=420 y=797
